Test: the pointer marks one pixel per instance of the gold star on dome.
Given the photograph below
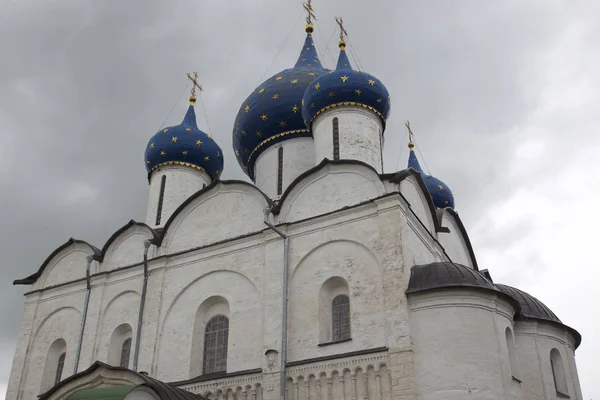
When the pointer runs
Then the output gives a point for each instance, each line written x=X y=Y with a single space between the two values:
x=371 y=82
x=279 y=78
x=264 y=117
x=389 y=97
x=162 y=153
x=344 y=78
x=295 y=109
x=282 y=124
x=206 y=158
x=188 y=129
x=237 y=153
x=358 y=92
x=310 y=65
x=198 y=143
x=446 y=202
x=258 y=134
x=243 y=133
x=152 y=145
x=356 y=70
x=218 y=154
x=276 y=96
x=318 y=86
x=294 y=81
x=302 y=101
x=247 y=108
x=331 y=94
x=147 y=161
x=261 y=90
x=185 y=153
x=312 y=105
x=308 y=48
x=441 y=187
x=311 y=74
x=452 y=195
x=379 y=100
x=304 y=59
x=174 y=139
x=165 y=130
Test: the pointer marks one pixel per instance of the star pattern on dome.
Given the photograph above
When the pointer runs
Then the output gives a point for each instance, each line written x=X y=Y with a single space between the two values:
x=152 y=145
x=247 y=109
x=165 y=130
x=174 y=139
x=344 y=78
x=188 y=129
x=331 y=94
x=371 y=82
x=184 y=153
x=358 y=92
x=198 y=143
x=275 y=112
x=163 y=153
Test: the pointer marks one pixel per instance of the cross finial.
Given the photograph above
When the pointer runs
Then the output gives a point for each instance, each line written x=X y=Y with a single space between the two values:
x=310 y=15
x=411 y=145
x=343 y=33
x=195 y=85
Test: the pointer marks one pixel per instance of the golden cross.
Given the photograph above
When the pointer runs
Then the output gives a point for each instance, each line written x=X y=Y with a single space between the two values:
x=311 y=13
x=195 y=84
x=343 y=32
x=410 y=135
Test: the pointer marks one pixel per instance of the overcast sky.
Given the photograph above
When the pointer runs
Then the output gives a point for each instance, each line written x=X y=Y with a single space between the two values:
x=503 y=97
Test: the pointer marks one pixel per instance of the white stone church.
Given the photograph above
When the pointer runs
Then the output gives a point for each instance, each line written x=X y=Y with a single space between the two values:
x=324 y=279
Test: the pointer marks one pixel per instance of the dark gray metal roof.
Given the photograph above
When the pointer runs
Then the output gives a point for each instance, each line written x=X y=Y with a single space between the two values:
x=446 y=274
x=164 y=390
x=530 y=306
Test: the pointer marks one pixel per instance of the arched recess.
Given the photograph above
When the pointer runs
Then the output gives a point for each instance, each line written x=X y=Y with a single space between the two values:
x=118 y=319
x=119 y=348
x=53 y=336
x=177 y=329
x=210 y=308
x=54 y=364
x=334 y=310
x=512 y=353
x=329 y=186
x=558 y=373
x=346 y=261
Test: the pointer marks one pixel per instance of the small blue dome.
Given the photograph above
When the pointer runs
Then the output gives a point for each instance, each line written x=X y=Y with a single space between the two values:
x=187 y=145
x=344 y=87
x=440 y=193
x=273 y=112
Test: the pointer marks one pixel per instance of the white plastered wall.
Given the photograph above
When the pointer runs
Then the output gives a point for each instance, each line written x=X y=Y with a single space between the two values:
x=181 y=182
x=298 y=157
x=360 y=135
x=467 y=358
x=535 y=340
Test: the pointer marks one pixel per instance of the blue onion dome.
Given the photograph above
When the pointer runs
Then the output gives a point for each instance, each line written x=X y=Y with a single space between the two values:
x=345 y=87
x=272 y=113
x=440 y=193
x=186 y=145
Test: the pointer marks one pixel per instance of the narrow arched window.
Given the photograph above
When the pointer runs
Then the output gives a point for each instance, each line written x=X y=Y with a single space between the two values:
x=125 y=353
x=60 y=365
x=336 y=139
x=512 y=354
x=558 y=373
x=340 y=313
x=161 y=198
x=216 y=335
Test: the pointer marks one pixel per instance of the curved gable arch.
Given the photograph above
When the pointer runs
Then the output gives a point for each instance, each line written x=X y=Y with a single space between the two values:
x=126 y=245
x=329 y=186
x=456 y=241
x=66 y=263
x=414 y=191
x=223 y=211
x=245 y=319
x=116 y=312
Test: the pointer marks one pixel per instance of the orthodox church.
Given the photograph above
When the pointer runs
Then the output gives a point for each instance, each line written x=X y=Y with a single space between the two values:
x=325 y=278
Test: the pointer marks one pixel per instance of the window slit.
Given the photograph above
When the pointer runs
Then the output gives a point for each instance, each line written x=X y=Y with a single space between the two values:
x=59 y=368
x=280 y=171
x=336 y=139
x=340 y=318
x=161 y=197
